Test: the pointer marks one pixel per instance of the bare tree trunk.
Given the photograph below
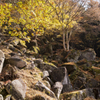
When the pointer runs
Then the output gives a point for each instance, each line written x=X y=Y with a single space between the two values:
x=64 y=43
x=67 y=40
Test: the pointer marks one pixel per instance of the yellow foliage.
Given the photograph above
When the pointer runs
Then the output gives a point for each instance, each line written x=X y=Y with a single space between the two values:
x=35 y=15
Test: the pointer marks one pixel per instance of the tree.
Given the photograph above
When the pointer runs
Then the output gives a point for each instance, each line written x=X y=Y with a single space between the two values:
x=93 y=11
x=39 y=15
x=66 y=15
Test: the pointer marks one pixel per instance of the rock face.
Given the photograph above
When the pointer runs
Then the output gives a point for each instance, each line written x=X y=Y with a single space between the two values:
x=16 y=61
x=77 y=95
x=2 y=58
x=17 y=89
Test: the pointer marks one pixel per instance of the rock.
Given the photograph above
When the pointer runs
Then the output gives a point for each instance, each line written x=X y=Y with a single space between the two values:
x=78 y=95
x=39 y=97
x=60 y=75
x=45 y=74
x=84 y=64
x=16 y=61
x=73 y=56
x=1 y=97
x=38 y=61
x=8 y=97
x=57 y=88
x=92 y=83
x=70 y=66
x=2 y=58
x=20 y=86
x=17 y=89
x=79 y=83
x=9 y=73
x=49 y=80
x=47 y=84
x=88 y=54
x=47 y=66
x=40 y=86
x=96 y=92
x=31 y=65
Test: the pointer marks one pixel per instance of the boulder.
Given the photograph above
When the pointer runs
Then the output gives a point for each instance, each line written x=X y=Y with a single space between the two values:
x=17 y=89
x=40 y=86
x=47 y=66
x=2 y=58
x=78 y=95
x=73 y=56
x=1 y=97
x=57 y=89
x=61 y=75
x=92 y=83
x=70 y=66
x=79 y=83
x=88 y=54
x=84 y=64
x=45 y=74
x=16 y=61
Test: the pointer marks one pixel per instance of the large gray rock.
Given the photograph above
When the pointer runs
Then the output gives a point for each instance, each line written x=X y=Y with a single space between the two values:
x=88 y=54
x=17 y=89
x=61 y=75
x=40 y=86
x=16 y=61
x=2 y=58
x=78 y=95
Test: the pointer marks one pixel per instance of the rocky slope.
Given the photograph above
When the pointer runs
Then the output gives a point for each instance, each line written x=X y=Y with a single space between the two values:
x=26 y=75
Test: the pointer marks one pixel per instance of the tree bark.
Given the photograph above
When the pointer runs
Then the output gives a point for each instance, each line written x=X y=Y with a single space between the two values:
x=67 y=40
x=64 y=43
